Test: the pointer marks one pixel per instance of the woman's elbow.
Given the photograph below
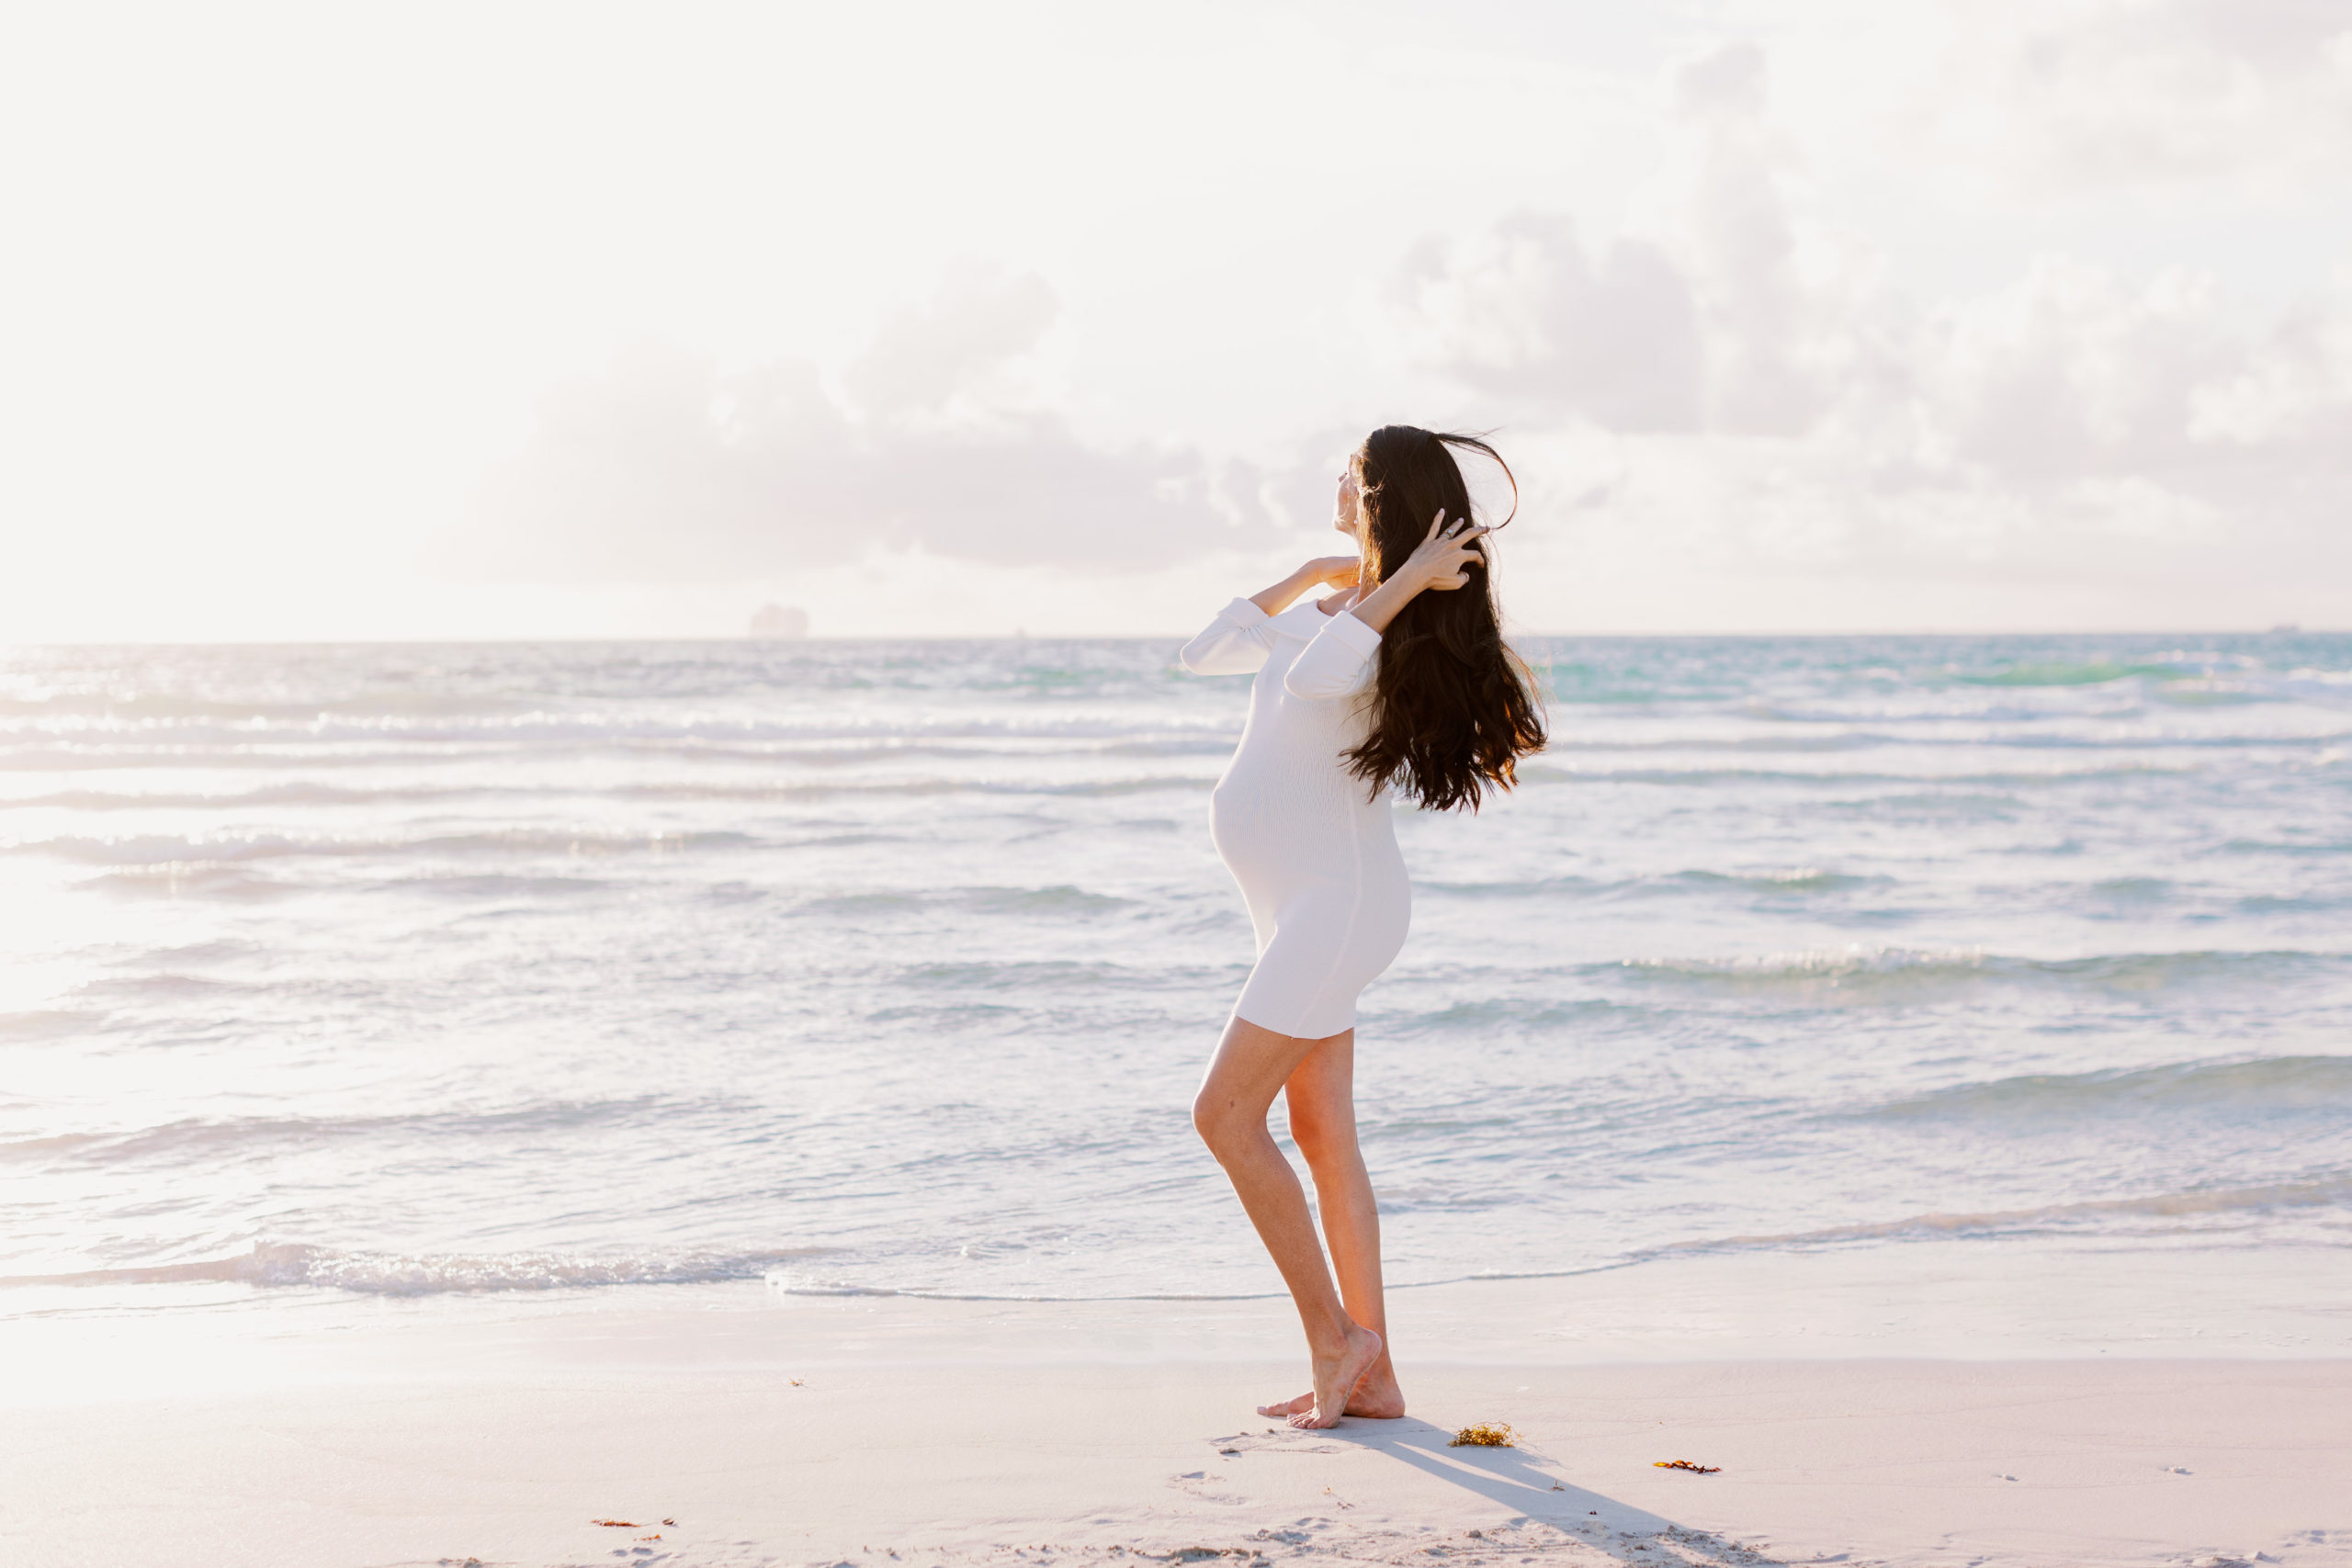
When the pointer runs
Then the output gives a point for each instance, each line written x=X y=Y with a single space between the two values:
x=1322 y=686
x=1198 y=657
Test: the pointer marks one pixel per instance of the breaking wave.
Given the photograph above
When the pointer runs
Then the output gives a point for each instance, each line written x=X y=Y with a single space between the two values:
x=2276 y=1083
x=2053 y=1218
x=1905 y=973
x=279 y=1265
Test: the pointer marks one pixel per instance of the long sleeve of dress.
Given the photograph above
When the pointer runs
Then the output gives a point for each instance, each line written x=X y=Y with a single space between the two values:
x=1338 y=663
x=1235 y=643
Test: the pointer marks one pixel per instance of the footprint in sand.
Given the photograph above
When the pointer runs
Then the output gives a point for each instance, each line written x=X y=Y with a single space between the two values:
x=1289 y=1440
x=1207 y=1487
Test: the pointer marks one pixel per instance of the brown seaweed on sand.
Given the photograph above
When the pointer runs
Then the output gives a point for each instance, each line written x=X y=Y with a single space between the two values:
x=1484 y=1436
x=1686 y=1465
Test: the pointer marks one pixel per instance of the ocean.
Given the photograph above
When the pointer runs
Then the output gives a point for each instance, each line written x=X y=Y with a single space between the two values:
x=344 y=972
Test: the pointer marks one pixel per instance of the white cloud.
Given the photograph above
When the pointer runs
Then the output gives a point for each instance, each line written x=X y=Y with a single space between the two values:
x=1526 y=313
x=956 y=342
x=665 y=469
x=2076 y=94
x=1756 y=398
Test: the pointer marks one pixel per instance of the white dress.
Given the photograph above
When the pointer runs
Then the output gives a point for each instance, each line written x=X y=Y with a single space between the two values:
x=1313 y=849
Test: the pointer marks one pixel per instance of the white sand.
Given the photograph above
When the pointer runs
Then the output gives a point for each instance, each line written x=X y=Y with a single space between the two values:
x=497 y=1429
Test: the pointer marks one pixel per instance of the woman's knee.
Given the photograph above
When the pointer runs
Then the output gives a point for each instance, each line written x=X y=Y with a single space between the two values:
x=1326 y=1143
x=1219 y=1122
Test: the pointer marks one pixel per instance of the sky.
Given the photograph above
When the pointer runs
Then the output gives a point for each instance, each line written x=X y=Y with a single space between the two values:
x=509 y=320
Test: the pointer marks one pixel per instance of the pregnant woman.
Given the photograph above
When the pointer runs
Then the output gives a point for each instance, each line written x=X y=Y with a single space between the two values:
x=1400 y=680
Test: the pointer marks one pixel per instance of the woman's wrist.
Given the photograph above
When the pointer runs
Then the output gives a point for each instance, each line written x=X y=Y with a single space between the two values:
x=1411 y=580
x=1379 y=608
x=1282 y=594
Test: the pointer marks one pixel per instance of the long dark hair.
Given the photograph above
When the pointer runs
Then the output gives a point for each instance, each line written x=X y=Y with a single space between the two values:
x=1454 y=709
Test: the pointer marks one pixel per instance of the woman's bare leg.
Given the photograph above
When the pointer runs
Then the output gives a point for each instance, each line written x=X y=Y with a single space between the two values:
x=1320 y=1095
x=1250 y=1068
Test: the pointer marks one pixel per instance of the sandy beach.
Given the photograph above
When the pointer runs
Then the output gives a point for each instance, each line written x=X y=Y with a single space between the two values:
x=732 y=1426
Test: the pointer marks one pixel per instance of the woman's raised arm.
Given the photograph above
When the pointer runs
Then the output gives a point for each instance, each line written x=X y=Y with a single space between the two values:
x=1338 y=571
x=1338 y=662
x=1237 y=642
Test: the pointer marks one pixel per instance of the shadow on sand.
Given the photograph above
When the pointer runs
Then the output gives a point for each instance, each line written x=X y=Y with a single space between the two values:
x=1548 y=1508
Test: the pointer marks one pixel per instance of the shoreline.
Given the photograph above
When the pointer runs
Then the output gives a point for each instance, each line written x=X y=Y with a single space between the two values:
x=1955 y=1298
x=829 y=1429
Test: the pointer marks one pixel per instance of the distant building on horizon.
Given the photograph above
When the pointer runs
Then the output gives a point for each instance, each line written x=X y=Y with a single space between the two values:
x=779 y=621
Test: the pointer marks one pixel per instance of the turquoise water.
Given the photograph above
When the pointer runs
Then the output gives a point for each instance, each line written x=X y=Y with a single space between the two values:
x=892 y=965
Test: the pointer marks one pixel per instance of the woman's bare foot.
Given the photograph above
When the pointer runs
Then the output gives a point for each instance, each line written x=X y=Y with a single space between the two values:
x=1336 y=1378
x=1376 y=1396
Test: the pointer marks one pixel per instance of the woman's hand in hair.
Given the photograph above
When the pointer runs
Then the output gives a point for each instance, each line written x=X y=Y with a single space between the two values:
x=1441 y=560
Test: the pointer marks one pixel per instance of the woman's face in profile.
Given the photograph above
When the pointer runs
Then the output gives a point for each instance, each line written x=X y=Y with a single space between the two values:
x=1346 y=513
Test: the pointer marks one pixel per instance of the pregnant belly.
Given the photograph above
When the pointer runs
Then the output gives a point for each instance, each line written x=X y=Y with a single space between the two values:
x=1251 y=821
x=1276 y=842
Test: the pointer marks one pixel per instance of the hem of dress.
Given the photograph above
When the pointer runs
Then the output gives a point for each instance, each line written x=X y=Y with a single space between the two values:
x=1285 y=1033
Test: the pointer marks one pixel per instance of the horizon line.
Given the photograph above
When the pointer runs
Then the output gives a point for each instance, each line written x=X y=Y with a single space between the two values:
x=739 y=638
